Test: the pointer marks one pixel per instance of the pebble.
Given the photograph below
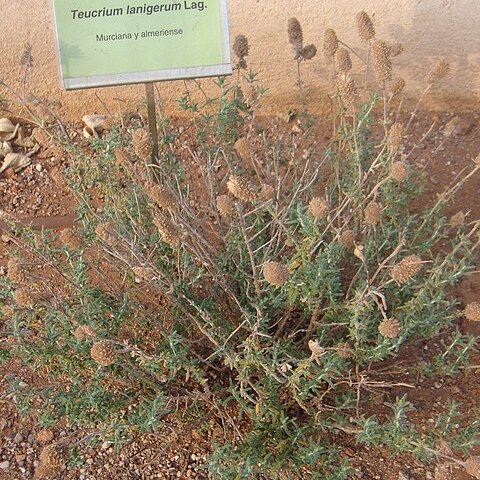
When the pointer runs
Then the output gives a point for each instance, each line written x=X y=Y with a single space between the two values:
x=4 y=465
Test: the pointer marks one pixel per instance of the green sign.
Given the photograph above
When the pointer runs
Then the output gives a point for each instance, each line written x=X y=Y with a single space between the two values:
x=114 y=42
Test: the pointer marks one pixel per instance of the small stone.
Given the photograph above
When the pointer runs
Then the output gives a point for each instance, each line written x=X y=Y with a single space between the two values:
x=437 y=385
x=18 y=438
x=4 y=465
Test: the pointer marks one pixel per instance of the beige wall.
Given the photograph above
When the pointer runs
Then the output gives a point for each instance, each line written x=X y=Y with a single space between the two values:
x=428 y=29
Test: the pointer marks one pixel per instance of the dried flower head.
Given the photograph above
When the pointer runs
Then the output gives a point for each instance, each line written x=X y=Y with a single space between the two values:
x=268 y=192
x=373 y=213
x=241 y=48
x=472 y=312
x=389 y=328
x=16 y=272
x=396 y=49
x=330 y=43
x=439 y=71
x=71 y=238
x=347 y=88
x=308 y=52
x=343 y=60
x=275 y=273
x=382 y=63
x=347 y=239
x=403 y=271
x=472 y=466
x=83 y=332
x=295 y=36
x=397 y=86
x=103 y=353
x=318 y=208
x=242 y=148
x=241 y=188
x=395 y=136
x=226 y=206
x=52 y=459
x=169 y=232
x=366 y=30
x=344 y=350
x=106 y=233
x=399 y=171
x=142 y=144
x=161 y=195
x=24 y=297
x=457 y=220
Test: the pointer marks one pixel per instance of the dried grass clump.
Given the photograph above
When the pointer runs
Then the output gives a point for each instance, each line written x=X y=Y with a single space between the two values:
x=330 y=43
x=472 y=466
x=160 y=195
x=439 y=71
x=365 y=28
x=169 y=232
x=382 y=63
x=318 y=208
x=241 y=188
x=472 y=312
x=51 y=461
x=103 y=353
x=241 y=49
x=295 y=36
x=343 y=60
x=373 y=213
x=226 y=206
x=71 y=238
x=142 y=144
x=399 y=171
x=275 y=273
x=16 y=272
x=389 y=328
x=406 y=269
x=82 y=332
x=347 y=239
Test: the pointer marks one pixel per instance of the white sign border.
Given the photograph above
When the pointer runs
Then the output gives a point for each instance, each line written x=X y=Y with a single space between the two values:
x=94 y=81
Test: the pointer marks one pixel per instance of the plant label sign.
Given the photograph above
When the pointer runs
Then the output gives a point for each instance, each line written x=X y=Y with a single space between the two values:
x=116 y=42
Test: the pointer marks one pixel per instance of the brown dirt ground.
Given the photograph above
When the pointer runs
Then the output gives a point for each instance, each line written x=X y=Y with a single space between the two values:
x=179 y=447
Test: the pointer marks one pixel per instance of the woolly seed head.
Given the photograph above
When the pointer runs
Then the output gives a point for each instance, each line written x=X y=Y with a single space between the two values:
x=343 y=60
x=472 y=312
x=472 y=466
x=382 y=63
x=241 y=188
x=318 y=208
x=241 y=47
x=347 y=88
x=403 y=271
x=142 y=144
x=169 y=232
x=389 y=328
x=344 y=350
x=16 y=272
x=457 y=220
x=226 y=206
x=396 y=49
x=71 y=238
x=162 y=197
x=397 y=86
x=103 y=353
x=395 y=136
x=275 y=273
x=295 y=35
x=439 y=71
x=24 y=298
x=373 y=213
x=308 y=52
x=347 y=239
x=330 y=43
x=52 y=459
x=366 y=30
x=399 y=171
x=82 y=332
